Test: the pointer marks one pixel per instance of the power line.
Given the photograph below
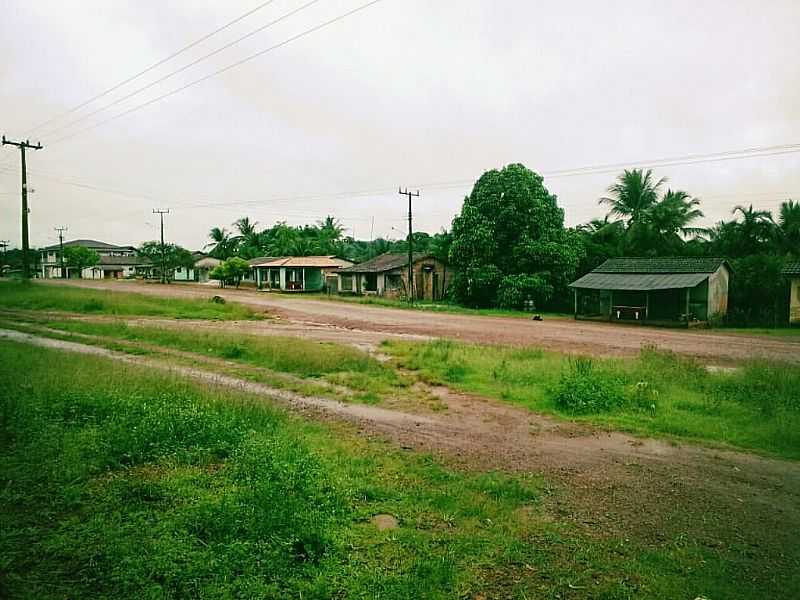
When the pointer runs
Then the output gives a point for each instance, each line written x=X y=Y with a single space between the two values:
x=183 y=68
x=220 y=71
x=153 y=66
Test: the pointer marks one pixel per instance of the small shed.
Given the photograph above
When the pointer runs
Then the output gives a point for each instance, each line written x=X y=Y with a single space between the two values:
x=659 y=291
x=387 y=275
x=792 y=272
x=297 y=273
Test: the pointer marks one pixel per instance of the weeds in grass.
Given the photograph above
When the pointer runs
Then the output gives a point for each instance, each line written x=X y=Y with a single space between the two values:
x=756 y=406
x=31 y=296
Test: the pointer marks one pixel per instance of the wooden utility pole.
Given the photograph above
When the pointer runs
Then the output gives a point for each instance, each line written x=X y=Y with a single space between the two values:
x=26 y=272
x=61 y=231
x=410 y=244
x=161 y=212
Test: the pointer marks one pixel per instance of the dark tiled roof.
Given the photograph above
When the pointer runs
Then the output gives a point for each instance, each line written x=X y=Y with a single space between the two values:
x=385 y=262
x=660 y=265
x=93 y=244
x=792 y=268
x=638 y=281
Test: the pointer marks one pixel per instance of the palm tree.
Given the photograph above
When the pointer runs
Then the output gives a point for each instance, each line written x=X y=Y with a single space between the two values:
x=221 y=244
x=633 y=194
x=248 y=242
x=673 y=214
x=789 y=223
x=755 y=230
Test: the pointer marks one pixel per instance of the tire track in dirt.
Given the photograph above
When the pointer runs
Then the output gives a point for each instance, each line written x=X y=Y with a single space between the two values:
x=613 y=483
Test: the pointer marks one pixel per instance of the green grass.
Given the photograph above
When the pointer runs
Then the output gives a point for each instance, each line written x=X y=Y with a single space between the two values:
x=756 y=407
x=120 y=483
x=426 y=305
x=305 y=358
x=32 y=296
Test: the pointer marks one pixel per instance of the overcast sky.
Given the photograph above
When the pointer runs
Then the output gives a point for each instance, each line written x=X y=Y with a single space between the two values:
x=405 y=92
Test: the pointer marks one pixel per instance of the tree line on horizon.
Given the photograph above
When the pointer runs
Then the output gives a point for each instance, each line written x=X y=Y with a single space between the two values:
x=509 y=244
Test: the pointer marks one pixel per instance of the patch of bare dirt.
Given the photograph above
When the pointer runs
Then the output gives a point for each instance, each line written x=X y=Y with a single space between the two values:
x=613 y=483
x=352 y=319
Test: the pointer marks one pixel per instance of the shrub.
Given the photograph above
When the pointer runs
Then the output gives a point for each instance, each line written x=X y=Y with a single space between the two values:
x=586 y=389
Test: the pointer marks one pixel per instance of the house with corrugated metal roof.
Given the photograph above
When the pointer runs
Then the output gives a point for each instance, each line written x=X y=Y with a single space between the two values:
x=387 y=275
x=792 y=272
x=297 y=273
x=659 y=291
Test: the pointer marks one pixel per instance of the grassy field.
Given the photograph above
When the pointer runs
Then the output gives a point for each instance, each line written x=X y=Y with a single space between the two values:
x=756 y=407
x=32 y=296
x=333 y=363
x=119 y=483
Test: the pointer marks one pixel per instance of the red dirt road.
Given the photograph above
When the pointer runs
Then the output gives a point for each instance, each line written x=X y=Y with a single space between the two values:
x=565 y=335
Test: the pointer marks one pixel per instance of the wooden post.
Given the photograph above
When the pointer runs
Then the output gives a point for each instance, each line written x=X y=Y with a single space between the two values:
x=575 y=292
x=688 y=290
x=646 y=305
x=610 y=305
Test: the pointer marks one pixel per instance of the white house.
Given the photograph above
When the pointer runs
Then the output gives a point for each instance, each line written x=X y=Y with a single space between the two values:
x=116 y=262
x=297 y=273
x=203 y=264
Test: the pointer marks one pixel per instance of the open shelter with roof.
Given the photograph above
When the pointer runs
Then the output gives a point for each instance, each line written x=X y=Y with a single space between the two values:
x=662 y=291
x=297 y=273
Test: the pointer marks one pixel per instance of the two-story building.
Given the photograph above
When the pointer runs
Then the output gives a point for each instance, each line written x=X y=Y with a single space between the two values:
x=116 y=262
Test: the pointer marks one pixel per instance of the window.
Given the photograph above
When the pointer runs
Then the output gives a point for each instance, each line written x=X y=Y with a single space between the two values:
x=347 y=283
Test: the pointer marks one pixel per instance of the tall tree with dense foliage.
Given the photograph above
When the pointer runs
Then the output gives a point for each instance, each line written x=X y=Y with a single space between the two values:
x=789 y=225
x=80 y=258
x=509 y=241
x=173 y=257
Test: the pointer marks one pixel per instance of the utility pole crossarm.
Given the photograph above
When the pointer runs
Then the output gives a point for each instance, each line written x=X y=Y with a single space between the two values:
x=26 y=273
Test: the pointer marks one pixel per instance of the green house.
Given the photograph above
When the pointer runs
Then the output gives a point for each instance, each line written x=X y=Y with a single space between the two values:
x=660 y=291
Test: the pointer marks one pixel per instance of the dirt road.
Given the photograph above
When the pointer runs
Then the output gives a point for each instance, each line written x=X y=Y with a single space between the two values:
x=612 y=483
x=555 y=334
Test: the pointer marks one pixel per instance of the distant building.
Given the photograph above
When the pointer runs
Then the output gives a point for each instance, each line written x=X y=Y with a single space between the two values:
x=654 y=290
x=198 y=272
x=792 y=273
x=116 y=262
x=387 y=275
x=297 y=273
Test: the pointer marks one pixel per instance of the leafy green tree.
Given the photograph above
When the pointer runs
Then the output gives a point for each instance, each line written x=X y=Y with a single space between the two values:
x=80 y=258
x=230 y=272
x=174 y=256
x=248 y=243
x=511 y=226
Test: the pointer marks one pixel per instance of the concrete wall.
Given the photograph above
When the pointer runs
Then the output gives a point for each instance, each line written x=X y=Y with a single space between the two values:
x=794 y=301
x=718 y=292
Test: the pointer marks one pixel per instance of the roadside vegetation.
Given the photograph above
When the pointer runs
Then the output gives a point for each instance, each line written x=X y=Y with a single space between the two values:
x=122 y=483
x=17 y=295
x=756 y=406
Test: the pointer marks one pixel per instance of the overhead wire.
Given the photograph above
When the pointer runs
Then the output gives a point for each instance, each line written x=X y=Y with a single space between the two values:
x=171 y=74
x=219 y=71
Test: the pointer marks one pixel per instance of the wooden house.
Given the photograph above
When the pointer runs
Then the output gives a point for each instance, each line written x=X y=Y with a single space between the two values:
x=660 y=291
x=387 y=275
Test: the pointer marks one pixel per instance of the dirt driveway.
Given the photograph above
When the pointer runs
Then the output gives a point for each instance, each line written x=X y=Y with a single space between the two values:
x=554 y=334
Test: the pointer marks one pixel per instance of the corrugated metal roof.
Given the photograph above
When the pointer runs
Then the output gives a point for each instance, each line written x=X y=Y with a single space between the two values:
x=638 y=281
x=385 y=262
x=93 y=244
x=661 y=265
x=792 y=268
x=322 y=262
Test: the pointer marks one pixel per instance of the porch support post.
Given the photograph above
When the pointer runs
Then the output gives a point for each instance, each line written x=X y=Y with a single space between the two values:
x=258 y=278
x=610 y=305
x=575 y=295
x=687 y=306
x=646 y=305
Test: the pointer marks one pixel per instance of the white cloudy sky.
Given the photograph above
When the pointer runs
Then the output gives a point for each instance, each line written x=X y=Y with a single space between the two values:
x=405 y=92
